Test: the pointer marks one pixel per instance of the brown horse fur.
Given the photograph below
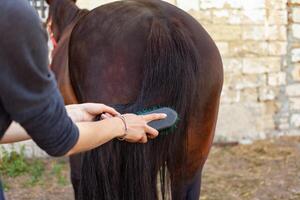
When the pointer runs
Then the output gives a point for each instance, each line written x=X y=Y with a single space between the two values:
x=135 y=55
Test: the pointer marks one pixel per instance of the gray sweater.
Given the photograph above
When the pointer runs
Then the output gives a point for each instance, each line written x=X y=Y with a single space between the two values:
x=28 y=91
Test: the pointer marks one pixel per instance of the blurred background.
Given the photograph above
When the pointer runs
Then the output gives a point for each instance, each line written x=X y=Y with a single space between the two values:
x=259 y=41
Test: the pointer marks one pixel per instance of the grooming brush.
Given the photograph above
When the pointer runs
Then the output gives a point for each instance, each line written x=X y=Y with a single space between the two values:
x=163 y=124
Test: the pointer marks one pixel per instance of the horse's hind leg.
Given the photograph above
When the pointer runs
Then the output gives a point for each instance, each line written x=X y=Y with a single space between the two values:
x=194 y=188
x=190 y=190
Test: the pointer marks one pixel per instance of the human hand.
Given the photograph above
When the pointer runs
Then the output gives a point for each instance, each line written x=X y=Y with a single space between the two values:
x=138 y=129
x=88 y=111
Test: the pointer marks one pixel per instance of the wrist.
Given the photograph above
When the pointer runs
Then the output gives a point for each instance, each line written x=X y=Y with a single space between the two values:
x=125 y=127
x=73 y=114
x=119 y=128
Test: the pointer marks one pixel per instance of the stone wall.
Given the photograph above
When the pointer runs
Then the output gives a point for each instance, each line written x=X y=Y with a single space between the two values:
x=292 y=108
x=252 y=38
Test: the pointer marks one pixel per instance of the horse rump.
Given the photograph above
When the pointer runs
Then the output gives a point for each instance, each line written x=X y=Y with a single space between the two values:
x=120 y=170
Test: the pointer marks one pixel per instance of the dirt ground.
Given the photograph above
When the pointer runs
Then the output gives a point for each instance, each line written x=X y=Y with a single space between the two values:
x=265 y=170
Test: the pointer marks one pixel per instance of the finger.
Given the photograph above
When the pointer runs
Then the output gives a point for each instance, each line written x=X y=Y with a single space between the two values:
x=152 y=133
x=153 y=117
x=150 y=136
x=144 y=139
x=106 y=116
x=95 y=109
x=110 y=110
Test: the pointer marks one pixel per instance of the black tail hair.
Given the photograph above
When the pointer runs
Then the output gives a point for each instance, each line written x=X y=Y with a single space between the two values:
x=124 y=171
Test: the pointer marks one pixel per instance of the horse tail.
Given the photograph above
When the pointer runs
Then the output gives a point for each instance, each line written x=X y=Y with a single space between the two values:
x=171 y=67
x=170 y=79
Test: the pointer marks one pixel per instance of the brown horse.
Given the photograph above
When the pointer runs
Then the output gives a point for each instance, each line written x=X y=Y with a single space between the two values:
x=136 y=55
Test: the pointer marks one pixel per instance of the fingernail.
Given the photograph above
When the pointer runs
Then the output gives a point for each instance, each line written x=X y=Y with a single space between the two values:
x=164 y=115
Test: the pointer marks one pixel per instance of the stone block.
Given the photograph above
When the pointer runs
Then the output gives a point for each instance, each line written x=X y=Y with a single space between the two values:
x=295 y=1
x=225 y=32
x=283 y=120
x=277 y=32
x=171 y=1
x=223 y=48
x=236 y=48
x=254 y=16
x=90 y=4
x=296 y=31
x=296 y=14
x=188 y=5
x=261 y=65
x=277 y=4
x=230 y=96
x=295 y=104
x=271 y=107
x=277 y=48
x=267 y=122
x=255 y=33
x=277 y=17
x=237 y=122
x=253 y=4
x=254 y=48
x=232 y=65
x=227 y=16
x=296 y=55
x=249 y=95
x=239 y=82
x=203 y=16
x=295 y=120
x=267 y=93
x=296 y=73
x=294 y=132
x=284 y=126
x=235 y=17
x=277 y=79
x=208 y=4
x=293 y=90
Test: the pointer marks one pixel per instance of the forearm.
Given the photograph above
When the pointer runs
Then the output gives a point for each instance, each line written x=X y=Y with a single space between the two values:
x=101 y=132
x=15 y=133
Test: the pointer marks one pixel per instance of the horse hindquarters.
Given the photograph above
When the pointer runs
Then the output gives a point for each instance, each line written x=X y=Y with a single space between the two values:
x=171 y=77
